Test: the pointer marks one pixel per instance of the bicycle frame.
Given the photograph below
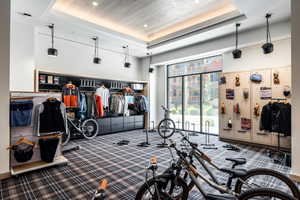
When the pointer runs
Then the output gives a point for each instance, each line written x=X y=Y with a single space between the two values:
x=74 y=126
x=193 y=173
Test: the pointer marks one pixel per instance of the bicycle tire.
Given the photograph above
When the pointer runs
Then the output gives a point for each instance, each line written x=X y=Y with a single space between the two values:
x=265 y=192
x=163 y=179
x=95 y=131
x=262 y=171
x=160 y=125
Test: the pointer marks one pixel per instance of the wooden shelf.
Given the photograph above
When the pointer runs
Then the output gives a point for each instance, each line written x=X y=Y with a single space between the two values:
x=60 y=160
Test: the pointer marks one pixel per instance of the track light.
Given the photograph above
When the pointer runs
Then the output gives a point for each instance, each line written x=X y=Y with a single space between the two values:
x=52 y=51
x=237 y=53
x=126 y=54
x=96 y=59
x=268 y=47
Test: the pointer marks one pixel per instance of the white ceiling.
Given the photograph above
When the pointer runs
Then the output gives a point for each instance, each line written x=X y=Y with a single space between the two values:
x=43 y=14
x=131 y=16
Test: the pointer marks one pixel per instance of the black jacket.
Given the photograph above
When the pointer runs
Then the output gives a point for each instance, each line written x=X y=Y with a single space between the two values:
x=276 y=117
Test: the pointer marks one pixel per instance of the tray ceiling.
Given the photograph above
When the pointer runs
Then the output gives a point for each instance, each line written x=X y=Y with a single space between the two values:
x=146 y=20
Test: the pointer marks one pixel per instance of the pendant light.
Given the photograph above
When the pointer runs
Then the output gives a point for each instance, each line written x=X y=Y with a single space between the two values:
x=126 y=60
x=268 y=47
x=96 y=59
x=151 y=69
x=237 y=53
x=52 y=51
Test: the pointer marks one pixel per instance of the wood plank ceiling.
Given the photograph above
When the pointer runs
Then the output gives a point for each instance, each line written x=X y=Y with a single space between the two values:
x=145 y=19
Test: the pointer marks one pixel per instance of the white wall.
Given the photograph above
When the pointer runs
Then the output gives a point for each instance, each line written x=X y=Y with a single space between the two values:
x=4 y=84
x=296 y=88
x=22 y=57
x=76 y=58
x=254 y=58
x=279 y=30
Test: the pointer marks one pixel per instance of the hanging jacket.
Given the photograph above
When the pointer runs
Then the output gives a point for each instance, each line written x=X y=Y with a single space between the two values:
x=50 y=117
x=70 y=96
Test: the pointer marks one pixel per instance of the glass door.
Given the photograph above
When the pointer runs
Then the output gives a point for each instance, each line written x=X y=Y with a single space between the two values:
x=175 y=101
x=210 y=102
x=192 y=102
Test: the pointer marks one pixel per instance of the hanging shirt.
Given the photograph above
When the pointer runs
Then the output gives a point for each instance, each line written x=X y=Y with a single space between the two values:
x=104 y=94
x=99 y=105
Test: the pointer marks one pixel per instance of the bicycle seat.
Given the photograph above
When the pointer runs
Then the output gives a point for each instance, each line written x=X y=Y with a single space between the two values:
x=237 y=161
x=235 y=173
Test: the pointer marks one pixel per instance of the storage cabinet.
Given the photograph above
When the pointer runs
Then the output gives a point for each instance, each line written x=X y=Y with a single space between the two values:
x=118 y=124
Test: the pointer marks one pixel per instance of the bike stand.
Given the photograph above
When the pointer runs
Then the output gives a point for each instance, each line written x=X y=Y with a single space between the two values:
x=153 y=130
x=145 y=144
x=69 y=148
x=207 y=144
x=164 y=144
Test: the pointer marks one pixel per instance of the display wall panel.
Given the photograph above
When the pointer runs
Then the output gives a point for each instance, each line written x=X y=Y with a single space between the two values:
x=244 y=106
x=277 y=92
x=254 y=135
x=260 y=137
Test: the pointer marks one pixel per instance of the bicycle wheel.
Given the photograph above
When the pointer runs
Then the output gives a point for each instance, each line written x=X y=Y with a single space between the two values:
x=166 y=187
x=166 y=128
x=90 y=128
x=265 y=194
x=266 y=178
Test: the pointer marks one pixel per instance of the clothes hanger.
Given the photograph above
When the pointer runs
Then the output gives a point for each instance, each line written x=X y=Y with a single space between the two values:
x=22 y=140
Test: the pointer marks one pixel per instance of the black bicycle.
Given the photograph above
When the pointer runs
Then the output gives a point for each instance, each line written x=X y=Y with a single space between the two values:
x=162 y=187
x=226 y=193
x=166 y=127
x=245 y=179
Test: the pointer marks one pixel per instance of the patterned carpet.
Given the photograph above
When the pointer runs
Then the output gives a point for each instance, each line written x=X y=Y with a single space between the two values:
x=123 y=166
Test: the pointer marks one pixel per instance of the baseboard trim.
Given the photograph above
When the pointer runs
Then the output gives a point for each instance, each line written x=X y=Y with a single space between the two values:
x=295 y=178
x=252 y=144
x=5 y=175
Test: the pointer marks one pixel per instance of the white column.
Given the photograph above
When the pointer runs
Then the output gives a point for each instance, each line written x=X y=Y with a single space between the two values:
x=296 y=87
x=4 y=85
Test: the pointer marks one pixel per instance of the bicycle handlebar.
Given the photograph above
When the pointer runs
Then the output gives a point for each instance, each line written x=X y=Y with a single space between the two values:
x=164 y=108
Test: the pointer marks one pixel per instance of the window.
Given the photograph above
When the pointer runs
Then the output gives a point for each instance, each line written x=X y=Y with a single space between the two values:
x=193 y=94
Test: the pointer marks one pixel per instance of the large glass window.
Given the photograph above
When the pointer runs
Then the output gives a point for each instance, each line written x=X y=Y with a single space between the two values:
x=193 y=94
x=175 y=100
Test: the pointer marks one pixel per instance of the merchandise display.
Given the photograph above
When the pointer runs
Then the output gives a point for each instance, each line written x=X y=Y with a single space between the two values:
x=256 y=78
x=229 y=93
x=20 y=113
x=276 y=78
x=265 y=93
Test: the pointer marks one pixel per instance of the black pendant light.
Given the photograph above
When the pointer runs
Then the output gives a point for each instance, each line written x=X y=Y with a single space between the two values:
x=151 y=69
x=96 y=59
x=268 y=47
x=126 y=60
x=237 y=53
x=52 y=51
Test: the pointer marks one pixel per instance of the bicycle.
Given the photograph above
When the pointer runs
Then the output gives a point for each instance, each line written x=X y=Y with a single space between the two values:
x=166 y=127
x=194 y=174
x=161 y=187
x=100 y=193
x=246 y=179
x=88 y=128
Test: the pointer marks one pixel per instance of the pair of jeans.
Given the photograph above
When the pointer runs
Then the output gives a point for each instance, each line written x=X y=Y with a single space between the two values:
x=20 y=113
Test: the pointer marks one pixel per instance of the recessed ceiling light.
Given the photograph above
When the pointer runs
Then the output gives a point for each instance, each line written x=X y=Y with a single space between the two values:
x=197 y=1
x=145 y=25
x=95 y=3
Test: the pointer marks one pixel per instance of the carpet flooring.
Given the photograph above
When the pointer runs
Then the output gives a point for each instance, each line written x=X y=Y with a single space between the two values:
x=123 y=166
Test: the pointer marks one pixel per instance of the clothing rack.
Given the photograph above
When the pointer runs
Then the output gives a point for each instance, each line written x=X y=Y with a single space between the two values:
x=278 y=138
